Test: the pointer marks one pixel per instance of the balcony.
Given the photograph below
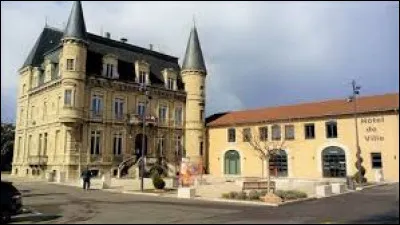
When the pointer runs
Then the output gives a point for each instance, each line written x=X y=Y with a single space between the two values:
x=136 y=119
x=37 y=160
x=70 y=115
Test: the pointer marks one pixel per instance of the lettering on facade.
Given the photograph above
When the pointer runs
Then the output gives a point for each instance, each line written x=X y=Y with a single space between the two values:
x=372 y=132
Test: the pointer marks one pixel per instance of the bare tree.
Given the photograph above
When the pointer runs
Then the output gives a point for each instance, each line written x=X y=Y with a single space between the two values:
x=264 y=148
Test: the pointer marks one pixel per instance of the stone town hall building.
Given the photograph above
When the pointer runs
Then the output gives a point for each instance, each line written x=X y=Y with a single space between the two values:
x=82 y=99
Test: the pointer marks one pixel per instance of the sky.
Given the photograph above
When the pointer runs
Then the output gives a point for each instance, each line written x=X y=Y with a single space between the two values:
x=258 y=54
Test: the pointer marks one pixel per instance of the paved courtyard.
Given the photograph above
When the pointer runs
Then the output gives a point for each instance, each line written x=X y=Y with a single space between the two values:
x=52 y=203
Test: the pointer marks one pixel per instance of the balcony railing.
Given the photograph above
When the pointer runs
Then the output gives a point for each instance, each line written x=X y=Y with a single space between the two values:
x=37 y=160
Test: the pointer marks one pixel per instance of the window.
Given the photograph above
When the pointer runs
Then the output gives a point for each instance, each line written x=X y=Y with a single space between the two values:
x=109 y=70
x=117 y=144
x=19 y=146
x=376 y=160
x=278 y=164
x=45 y=144
x=141 y=109
x=160 y=146
x=142 y=77
x=201 y=148
x=119 y=108
x=32 y=112
x=309 y=131
x=246 y=134
x=263 y=131
x=162 y=114
x=70 y=64
x=170 y=83
x=57 y=139
x=97 y=105
x=232 y=162
x=231 y=135
x=178 y=116
x=333 y=162
x=40 y=143
x=276 y=132
x=201 y=115
x=178 y=147
x=95 y=143
x=289 y=132
x=331 y=129
x=29 y=144
x=68 y=98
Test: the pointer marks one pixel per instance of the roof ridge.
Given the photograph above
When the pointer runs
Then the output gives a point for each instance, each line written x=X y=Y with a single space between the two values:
x=310 y=102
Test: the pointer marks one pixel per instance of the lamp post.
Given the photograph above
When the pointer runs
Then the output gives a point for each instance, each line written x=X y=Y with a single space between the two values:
x=353 y=98
x=143 y=88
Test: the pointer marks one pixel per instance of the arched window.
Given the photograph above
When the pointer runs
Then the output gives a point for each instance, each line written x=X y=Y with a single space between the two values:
x=333 y=162
x=232 y=162
x=278 y=166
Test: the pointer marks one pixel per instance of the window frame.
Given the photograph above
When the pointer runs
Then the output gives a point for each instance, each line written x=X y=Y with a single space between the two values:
x=331 y=128
x=246 y=134
x=307 y=129
x=373 y=160
x=277 y=128
x=70 y=65
x=95 y=142
x=233 y=140
x=68 y=99
x=288 y=128
x=263 y=133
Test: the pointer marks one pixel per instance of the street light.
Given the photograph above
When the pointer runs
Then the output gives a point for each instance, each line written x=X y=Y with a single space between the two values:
x=353 y=98
x=143 y=88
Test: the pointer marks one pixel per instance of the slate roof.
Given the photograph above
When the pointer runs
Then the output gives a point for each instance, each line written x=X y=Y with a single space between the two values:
x=376 y=103
x=49 y=44
x=76 y=27
x=194 y=56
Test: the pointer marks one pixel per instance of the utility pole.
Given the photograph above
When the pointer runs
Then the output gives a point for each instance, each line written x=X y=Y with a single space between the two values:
x=143 y=88
x=353 y=98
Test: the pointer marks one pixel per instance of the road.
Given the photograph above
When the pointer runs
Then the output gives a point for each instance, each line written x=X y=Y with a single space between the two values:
x=52 y=203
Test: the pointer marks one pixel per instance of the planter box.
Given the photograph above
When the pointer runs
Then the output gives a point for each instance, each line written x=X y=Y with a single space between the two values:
x=186 y=192
x=338 y=188
x=323 y=190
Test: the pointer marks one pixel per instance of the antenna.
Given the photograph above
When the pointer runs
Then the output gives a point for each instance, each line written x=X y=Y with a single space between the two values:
x=101 y=31
x=45 y=21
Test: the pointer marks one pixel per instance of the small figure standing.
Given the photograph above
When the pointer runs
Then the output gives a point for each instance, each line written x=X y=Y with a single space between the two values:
x=86 y=175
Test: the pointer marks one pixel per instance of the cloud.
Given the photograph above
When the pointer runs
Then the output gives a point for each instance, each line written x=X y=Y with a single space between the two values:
x=257 y=53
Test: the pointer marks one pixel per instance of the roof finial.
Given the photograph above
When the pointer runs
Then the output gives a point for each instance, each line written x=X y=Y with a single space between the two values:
x=194 y=21
x=45 y=21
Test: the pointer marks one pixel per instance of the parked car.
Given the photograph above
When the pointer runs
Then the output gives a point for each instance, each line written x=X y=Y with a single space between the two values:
x=11 y=201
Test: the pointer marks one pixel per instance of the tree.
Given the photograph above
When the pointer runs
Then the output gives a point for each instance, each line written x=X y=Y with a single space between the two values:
x=7 y=144
x=264 y=148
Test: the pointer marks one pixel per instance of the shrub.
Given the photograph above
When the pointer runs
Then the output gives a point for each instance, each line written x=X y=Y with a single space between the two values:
x=158 y=182
x=291 y=194
x=356 y=176
x=225 y=195
x=233 y=194
x=254 y=195
x=242 y=195
x=157 y=170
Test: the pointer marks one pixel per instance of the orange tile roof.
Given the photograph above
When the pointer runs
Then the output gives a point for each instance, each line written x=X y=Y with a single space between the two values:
x=309 y=110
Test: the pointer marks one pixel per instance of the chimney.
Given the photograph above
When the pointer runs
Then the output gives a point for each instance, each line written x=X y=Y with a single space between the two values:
x=151 y=47
x=124 y=40
x=108 y=35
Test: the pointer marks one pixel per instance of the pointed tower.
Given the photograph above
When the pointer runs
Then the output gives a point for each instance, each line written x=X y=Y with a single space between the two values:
x=73 y=59
x=194 y=75
x=72 y=65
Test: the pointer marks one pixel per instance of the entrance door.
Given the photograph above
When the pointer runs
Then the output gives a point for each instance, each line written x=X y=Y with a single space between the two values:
x=232 y=162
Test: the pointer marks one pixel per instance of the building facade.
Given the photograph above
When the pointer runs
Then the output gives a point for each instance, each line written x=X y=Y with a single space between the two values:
x=83 y=99
x=316 y=140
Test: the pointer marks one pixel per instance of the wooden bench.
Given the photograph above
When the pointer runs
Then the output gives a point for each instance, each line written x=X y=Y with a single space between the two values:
x=258 y=185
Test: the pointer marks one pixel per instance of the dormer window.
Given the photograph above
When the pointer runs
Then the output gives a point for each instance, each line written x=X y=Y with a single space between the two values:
x=110 y=67
x=170 y=84
x=142 y=77
x=109 y=70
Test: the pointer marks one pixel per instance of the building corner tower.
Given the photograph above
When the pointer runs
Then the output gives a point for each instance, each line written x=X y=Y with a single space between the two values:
x=193 y=74
x=73 y=73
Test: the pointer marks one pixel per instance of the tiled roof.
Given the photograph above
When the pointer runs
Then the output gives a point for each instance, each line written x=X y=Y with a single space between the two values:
x=309 y=110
